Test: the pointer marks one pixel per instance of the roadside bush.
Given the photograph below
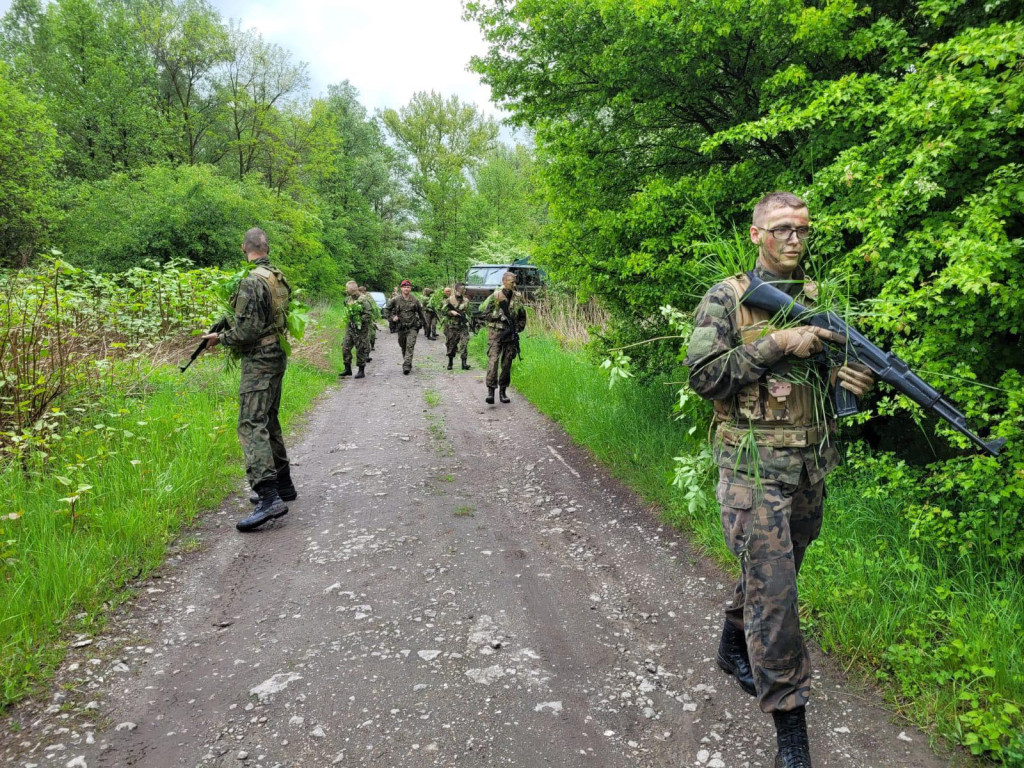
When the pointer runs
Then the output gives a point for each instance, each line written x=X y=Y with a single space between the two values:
x=192 y=212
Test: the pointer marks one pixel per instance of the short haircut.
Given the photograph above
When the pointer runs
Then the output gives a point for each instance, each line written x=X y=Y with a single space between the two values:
x=774 y=200
x=362 y=288
x=508 y=274
x=351 y=282
x=256 y=241
x=460 y=285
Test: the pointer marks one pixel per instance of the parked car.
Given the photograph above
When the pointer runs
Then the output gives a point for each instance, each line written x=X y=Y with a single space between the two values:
x=379 y=299
x=483 y=279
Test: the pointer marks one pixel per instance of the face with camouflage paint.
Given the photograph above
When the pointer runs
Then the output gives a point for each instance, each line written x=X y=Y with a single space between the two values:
x=780 y=257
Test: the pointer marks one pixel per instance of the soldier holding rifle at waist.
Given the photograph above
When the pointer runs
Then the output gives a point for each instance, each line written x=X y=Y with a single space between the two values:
x=774 y=446
x=260 y=306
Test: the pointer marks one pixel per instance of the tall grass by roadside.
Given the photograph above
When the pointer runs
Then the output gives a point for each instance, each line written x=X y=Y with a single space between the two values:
x=138 y=467
x=944 y=637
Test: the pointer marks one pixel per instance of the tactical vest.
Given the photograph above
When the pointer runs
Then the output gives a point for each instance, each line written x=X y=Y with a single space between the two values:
x=778 y=413
x=280 y=292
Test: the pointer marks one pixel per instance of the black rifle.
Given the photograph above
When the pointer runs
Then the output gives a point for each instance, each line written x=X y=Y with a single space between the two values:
x=220 y=325
x=511 y=333
x=886 y=366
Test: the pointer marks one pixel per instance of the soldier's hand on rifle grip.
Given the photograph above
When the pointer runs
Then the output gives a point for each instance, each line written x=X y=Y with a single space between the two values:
x=804 y=340
x=855 y=377
x=212 y=340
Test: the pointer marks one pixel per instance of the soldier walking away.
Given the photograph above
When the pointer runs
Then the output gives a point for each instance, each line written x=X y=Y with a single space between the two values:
x=505 y=314
x=774 y=445
x=261 y=309
x=406 y=312
x=456 y=309
x=357 y=333
x=430 y=315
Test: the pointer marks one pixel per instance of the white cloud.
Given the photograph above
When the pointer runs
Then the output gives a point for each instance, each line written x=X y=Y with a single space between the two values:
x=388 y=49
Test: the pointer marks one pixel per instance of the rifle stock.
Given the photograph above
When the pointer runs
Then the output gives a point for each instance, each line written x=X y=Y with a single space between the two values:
x=884 y=365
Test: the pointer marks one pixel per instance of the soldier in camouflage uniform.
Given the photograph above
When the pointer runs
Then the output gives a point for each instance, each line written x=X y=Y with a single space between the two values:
x=456 y=333
x=502 y=344
x=406 y=313
x=376 y=316
x=430 y=328
x=261 y=305
x=774 y=445
x=358 y=336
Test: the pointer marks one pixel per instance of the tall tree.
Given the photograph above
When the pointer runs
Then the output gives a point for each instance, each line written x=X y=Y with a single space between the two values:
x=188 y=42
x=446 y=139
x=259 y=79
x=91 y=69
x=365 y=207
x=27 y=155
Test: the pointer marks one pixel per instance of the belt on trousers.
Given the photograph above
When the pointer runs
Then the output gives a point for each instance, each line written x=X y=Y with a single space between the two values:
x=774 y=437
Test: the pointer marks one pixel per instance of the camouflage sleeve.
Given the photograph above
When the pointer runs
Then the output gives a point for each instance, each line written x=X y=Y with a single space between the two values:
x=419 y=311
x=720 y=365
x=251 y=313
x=389 y=308
x=368 y=306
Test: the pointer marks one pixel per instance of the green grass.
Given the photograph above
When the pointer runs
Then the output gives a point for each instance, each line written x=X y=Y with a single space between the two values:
x=154 y=459
x=433 y=397
x=944 y=637
x=464 y=510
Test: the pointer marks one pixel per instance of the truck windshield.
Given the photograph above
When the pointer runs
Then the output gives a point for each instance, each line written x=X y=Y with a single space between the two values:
x=485 y=275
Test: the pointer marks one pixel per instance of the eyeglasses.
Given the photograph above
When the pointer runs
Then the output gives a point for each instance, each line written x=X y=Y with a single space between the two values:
x=785 y=233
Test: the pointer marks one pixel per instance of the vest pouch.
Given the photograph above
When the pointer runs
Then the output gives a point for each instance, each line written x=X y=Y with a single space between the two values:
x=748 y=403
x=777 y=399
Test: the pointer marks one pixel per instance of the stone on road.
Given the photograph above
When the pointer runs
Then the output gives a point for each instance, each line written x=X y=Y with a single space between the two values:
x=456 y=585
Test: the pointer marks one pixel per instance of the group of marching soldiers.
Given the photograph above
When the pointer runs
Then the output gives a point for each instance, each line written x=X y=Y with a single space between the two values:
x=503 y=313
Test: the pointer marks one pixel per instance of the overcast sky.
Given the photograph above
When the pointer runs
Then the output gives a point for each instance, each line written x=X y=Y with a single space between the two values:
x=387 y=49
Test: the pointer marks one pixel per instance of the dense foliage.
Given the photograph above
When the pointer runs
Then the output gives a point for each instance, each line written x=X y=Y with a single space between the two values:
x=661 y=122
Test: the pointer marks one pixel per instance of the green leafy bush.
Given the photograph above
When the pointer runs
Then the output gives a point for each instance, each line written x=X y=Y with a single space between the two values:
x=192 y=212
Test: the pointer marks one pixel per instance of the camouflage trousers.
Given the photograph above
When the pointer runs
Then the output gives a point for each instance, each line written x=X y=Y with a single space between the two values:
x=768 y=525
x=373 y=335
x=259 y=430
x=499 y=360
x=407 y=343
x=456 y=339
x=358 y=338
x=430 y=329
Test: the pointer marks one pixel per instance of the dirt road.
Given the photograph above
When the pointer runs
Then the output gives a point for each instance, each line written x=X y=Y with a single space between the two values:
x=457 y=585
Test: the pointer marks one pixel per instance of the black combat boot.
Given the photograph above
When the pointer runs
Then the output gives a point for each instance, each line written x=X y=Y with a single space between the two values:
x=733 y=658
x=269 y=508
x=285 y=487
x=451 y=359
x=347 y=371
x=465 y=365
x=791 y=735
x=490 y=396
x=361 y=373
x=502 y=396
x=406 y=369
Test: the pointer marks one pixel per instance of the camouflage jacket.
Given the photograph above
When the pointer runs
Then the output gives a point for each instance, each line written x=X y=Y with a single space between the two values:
x=254 y=312
x=409 y=311
x=494 y=316
x=368 y=306
x=459 y=305
x=721 y=365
